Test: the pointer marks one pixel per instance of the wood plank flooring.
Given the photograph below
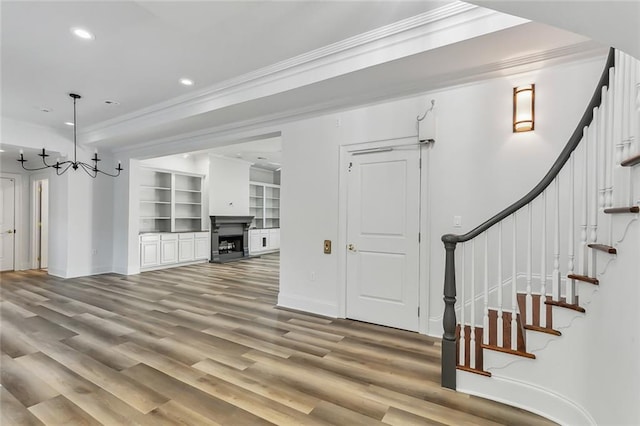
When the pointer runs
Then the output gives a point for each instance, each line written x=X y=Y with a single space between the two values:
x=205 y=345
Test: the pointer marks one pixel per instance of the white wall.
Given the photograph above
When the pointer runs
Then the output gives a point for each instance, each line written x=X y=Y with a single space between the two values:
x=228 y=187
x=476 y=168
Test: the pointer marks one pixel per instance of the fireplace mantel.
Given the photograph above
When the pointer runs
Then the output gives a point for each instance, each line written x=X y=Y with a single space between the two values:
x=226 y=228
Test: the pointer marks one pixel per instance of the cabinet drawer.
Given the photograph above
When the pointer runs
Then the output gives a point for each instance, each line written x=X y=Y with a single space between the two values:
x=186 y=236
x=168 y=237
x=149 y=237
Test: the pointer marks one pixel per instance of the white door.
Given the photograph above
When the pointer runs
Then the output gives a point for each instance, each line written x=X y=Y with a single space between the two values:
x=7 y=223
x=382 y=237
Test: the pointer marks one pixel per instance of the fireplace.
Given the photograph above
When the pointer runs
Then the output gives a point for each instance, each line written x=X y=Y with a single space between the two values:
x=229 y=238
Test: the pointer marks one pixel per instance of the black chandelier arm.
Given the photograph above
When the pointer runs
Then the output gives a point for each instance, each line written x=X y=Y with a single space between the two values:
x=61 y=166
x=119 y=169
x=22 y=161
x=89 y=169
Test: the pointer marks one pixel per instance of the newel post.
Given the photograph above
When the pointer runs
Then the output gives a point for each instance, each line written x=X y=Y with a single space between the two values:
x=449 y=317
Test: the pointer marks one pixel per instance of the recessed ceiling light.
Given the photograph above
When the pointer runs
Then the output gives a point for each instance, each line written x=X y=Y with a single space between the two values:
x=45 y=109
x=82 y=33
x=186 y=81
x=111 y=102
x=68 y=123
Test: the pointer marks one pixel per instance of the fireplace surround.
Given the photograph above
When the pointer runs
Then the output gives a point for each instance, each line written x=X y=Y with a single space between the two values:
x=229 y=238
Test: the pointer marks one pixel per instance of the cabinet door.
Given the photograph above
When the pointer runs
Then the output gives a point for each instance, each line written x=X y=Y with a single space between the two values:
x=274 y=239
x=186 y=250
x=202 y=246
x=149 y=253
x=255 y=241
x=168 y=251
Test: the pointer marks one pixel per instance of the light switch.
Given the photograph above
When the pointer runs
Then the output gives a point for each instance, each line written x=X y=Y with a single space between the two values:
x=327 y=246
x=457 y=221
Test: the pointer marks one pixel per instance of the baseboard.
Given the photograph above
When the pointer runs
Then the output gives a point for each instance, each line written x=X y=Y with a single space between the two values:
x=80 y=273
x=301 y=303
x=538 y=400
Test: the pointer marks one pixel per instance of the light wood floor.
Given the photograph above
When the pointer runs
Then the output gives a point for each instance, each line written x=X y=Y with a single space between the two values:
x=205 y=345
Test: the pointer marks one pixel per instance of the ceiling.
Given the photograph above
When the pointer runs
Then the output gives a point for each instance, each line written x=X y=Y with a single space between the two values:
x=142 y=49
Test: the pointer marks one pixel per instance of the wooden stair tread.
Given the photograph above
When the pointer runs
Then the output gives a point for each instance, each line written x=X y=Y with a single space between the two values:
x=603 y=247
x=509 y=351
x=584 y=278
x=543 y=329
x=614 y=210
x=473 y=370
x=563 y=304
x=631 y=161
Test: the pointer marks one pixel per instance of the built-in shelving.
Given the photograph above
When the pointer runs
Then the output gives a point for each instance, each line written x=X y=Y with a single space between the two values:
x=170 y=201
x=264 y=205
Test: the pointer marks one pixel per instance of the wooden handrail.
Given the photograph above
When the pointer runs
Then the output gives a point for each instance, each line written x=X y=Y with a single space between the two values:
x=448 y=379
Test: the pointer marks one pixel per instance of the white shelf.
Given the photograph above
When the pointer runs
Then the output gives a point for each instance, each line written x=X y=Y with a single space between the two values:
x=264 y=200
x=170 y=197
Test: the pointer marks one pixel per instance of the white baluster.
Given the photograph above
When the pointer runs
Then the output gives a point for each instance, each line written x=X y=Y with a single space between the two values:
x=472 y=341
x=601 y=156
x=543 y=263
x=618 y=129
x=612 y=127
x=584 y=250
x=571 y=284
x=592 y=187
x=626 y=106
x=528 y=297
x=500 y=325
x=485 y=318
x=514 y=287
x=462 y=343
x=555 y=290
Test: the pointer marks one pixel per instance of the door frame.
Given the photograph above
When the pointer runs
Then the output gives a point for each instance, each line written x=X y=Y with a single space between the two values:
x=20 y=238
x=33 y=219
x=424 y=222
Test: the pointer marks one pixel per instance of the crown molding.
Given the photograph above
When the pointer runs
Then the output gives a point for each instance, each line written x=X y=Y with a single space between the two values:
x=448 y=24
x=268 y=124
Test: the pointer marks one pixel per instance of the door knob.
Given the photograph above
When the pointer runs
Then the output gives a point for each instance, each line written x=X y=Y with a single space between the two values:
x=351 y=247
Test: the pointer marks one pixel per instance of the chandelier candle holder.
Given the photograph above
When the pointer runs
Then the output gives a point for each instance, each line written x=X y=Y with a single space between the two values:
x=61 y=167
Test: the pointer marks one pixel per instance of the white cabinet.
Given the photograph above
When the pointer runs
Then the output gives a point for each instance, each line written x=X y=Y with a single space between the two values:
x=186 y=247
x=264 y=240
x=168 y=248
x=165 y=250
x=149 y=251
x=274 y=239
x=170 y=201
x=201 y=246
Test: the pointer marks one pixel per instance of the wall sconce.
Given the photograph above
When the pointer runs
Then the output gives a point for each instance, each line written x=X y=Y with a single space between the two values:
x=523 y=108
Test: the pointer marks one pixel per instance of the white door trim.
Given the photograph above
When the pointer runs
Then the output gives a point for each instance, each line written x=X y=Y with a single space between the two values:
x=21 y=238
x=341 y=249
x=33 y=178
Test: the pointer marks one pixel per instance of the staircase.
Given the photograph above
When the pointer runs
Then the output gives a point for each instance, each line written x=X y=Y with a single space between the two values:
x=526 y=275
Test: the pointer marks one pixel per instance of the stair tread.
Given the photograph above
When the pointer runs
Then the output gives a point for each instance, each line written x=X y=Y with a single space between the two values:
x=631 y=161
x=473 y=370
x=563 y=304
x=584 y=278
x=603 y=247
x=631 y=209
x=509 y=351
x=542 y=329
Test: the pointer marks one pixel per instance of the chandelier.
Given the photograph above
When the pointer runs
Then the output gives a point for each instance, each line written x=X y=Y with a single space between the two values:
x=61 y=167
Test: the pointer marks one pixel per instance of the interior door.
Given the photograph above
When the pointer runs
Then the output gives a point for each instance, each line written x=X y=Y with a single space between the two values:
x=7 y=223
x=382 y=230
